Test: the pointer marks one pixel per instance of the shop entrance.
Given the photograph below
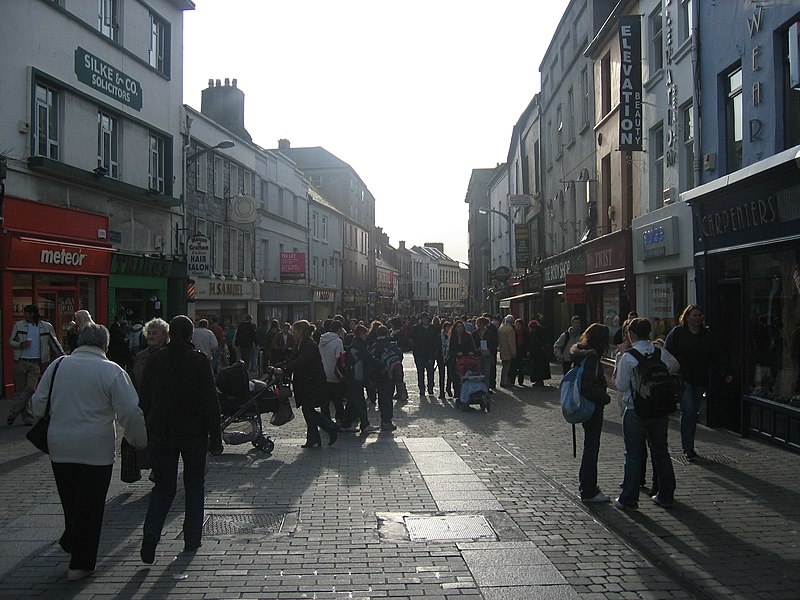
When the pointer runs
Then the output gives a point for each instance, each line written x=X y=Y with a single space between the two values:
x=727 y=406
x=58 y=306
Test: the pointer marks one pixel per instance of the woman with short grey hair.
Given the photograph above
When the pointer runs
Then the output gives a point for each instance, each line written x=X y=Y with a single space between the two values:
x=156 y=332
x=88 y=393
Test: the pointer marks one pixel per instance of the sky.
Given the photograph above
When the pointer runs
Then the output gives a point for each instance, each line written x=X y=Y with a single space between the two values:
x=413 y=95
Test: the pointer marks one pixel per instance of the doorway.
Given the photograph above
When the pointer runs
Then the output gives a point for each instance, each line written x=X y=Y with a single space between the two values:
x=58 y=306
x=727 y=407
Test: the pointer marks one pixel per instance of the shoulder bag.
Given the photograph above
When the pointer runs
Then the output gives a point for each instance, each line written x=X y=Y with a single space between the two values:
x=37 y=435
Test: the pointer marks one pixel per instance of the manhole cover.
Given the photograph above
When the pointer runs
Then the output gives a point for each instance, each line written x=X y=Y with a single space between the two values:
x=453 y=527
x=721 y=459
x=243 y=523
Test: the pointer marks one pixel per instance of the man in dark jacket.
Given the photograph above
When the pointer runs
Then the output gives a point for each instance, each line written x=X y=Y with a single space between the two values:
x=424 y=340
x=179 y=400
x=245 y=339
x=491 y=337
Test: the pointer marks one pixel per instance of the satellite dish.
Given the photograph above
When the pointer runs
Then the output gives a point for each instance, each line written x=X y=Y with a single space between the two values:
x=243 y=209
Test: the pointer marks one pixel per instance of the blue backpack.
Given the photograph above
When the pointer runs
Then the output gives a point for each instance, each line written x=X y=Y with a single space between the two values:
x=575 y=408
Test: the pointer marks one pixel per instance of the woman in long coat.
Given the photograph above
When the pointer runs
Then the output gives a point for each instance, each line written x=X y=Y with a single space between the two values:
x=308 y=380
x=538 y=349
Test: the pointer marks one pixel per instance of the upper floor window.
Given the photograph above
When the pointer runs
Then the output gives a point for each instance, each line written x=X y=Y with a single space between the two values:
x=158 y=55
x=234 y=186
x=46 y=122
x=656 y=152
x=316 y=180
x=157 y=161
x=107 y=144
x=570 y=116
x=201 y=184
x=219 y=177
x=108 y=18
x=733 y=119
x=687 y=162
x=605 y=84
x=249 y=185
x=656 y=29
x=559 y=132
x=324 y=228
x=685 y=20
x=200 y=226
x=585 y=91
x=314 y=225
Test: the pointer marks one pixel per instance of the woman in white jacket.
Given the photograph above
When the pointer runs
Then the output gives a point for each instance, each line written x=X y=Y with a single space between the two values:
x=89 y=393
x=330 y=347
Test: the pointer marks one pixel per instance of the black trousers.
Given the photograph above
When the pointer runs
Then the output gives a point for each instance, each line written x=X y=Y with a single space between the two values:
x=82 y=490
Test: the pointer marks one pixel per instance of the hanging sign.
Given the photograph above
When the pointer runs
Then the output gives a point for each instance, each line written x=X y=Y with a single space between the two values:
x=630 y=83
x=198 y=249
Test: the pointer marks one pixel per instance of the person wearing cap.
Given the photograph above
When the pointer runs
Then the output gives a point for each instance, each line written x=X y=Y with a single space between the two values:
x=179 y=399
x=35 y=344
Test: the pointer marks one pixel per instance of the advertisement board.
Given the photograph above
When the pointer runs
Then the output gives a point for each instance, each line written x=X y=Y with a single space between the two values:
x=293 y=265
x=198 y=250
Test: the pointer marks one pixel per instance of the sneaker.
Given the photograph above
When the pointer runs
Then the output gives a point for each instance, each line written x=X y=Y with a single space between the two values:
x=620 y=506
x=349 y=429
x=661 y=503
x=148 y=551
x=388 y=426
x=78 y=574
x=370 y=429
x=691 y=455
x=598 y=497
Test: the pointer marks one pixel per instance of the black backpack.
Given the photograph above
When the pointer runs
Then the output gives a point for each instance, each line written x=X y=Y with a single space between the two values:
x=653 y=388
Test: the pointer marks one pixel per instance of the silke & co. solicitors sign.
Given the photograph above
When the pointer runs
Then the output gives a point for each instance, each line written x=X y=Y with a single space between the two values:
x=108 y=80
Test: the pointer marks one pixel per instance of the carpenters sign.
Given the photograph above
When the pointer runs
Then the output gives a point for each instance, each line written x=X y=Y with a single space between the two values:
x=630 y=83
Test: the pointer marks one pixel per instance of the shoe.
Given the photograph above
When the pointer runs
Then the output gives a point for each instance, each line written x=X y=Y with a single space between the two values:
x=349 y=429
x=421 y=391
x=661 y=503
x=370 y=429
x=333 y=435
x=64 y=546
x=28 y=422
x=312 y=444
x=691 y=455
x=388 y=426
x=10 y=420
x=598 y=497
x=620 y=506
x=191 y=548
x=78 y=574
x=491 y=391
x=441 y=396
x=148 y=551
x=430 y=392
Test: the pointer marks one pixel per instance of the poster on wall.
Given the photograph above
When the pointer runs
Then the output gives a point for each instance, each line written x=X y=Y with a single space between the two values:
x=293 y=265
x=661 y=303
x=198 y=250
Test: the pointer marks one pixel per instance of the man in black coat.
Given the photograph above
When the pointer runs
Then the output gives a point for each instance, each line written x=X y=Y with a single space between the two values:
x=178 y=397
x=424 y=340
x=245 y=339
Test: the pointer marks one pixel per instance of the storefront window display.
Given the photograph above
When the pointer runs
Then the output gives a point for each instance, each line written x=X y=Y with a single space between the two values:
x=665 y=300
x=774 y=326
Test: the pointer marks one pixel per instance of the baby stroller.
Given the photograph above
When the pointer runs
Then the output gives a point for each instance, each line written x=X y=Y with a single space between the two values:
x=473 y=384
x=243 y=401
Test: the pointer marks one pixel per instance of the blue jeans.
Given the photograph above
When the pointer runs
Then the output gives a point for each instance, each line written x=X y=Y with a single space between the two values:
x=690 y=403
x=587 y=476
x=164 y=458
x=635 y=432
x=424 y=367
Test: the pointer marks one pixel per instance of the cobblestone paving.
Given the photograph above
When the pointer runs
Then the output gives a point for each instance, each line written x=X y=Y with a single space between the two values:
x=732 y=534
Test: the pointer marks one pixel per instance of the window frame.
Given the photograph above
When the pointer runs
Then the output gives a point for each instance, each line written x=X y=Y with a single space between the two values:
x=585 y=98
x=219 y=177
x=684 y=21
x=734 y=99
x=655 y=44
x=201 y=175
x=233 y=187
x=687 y=147
x=108 y=19
x=324 y=227
x=158 y=52
x=157 y=162
x=200 y=226
x=656 y=165
x=108 y=143
x=219 y=248
x=50 y=105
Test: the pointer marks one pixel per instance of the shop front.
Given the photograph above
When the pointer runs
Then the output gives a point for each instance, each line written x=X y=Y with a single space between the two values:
x=559 y=306
x=747 y=260
x=227 y=300
x=610 y=285
x=144 y=287
x=527 y=303
x=324 y=303
x=285 y=302
x=663 y=264
x=55 y=258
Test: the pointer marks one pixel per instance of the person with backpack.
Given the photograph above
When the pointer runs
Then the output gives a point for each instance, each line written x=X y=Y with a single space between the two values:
x=359 y=364
x=382 y=350
x=589 y=349
x=330 y=348
x=643 y=375
x=566 y=341
x=695 y=348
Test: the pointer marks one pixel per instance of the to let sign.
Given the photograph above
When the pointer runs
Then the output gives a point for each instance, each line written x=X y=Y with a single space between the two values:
x=108 y=80
x=293 y=265
x=630 y=83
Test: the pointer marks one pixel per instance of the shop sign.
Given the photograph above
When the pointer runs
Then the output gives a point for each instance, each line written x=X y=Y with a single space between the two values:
x=127 y=264
x=630 y=83
x=606 y=257
x=215 y=289
x=324 y=295
x=293 y=265
x=556 y=271
x=198 y=249
x=40 y=255
x=522 y=246
x=658 y=239
x=108 y=80
x=661 y=304
x=575 y=288
x=502 y=273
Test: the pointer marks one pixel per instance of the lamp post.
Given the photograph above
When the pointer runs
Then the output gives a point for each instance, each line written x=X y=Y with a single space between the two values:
x=509 y=220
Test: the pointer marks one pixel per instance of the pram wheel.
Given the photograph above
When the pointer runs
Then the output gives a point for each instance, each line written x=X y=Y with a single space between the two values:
x=264 y=444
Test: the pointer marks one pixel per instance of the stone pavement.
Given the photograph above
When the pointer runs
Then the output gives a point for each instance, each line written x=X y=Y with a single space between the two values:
x=452 y=504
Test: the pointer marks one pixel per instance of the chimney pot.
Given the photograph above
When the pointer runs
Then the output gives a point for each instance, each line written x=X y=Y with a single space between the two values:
x=233 y=81
x=210 y=83
x=284 y=144
x=219 y=83
x=227 y=82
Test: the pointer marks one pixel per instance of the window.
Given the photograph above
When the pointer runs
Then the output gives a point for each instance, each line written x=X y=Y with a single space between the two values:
x=733 y=120
x=158 y=54
x=314 y=225
x=201 y=183
x=323 y=271
x=281 y=203
x=570 y=117
x=233 y=251
x=585 y=104
x=219 y=247
x=685 y=21
x=296 y=208
x=565 y=52
x=248 y=254
x=234 y=188
x=200 y=226
x=687 y=149
x=605 y=85
x=559 y=132
x=656 y=41
x=108 y=18
x=249 y=185
x=537 y=182
x=107 y=139
x=791 y=101
x=316 y=180
x=46 y=122
x=219 y=177
x=156 y=163
x=314 y=270
x=548 y=144
x=656 y=152
x=324 y=231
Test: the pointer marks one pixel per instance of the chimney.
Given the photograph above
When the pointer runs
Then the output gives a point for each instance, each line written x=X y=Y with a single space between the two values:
x=284 y=145
x=438 y=245
x=402 y=245
x=225 y=105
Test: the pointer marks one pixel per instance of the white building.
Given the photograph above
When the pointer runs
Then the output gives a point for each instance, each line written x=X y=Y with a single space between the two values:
x=325 y=247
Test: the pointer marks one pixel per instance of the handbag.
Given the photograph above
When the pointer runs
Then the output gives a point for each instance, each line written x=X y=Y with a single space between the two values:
x=129 y=471
x=283 y=415
x=37 y=435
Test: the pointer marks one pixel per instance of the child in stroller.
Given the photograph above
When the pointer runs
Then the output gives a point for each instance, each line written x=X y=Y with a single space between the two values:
x=474 y=389
x=243 y=401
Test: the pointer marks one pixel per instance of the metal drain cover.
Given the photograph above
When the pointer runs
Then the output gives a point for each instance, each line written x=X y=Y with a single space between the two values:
x=720 y=459
x=243 y=523
x=451 y=527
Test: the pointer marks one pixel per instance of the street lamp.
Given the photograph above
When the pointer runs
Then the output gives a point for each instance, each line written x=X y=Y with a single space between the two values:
x=509 y=220
x=223 y=145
